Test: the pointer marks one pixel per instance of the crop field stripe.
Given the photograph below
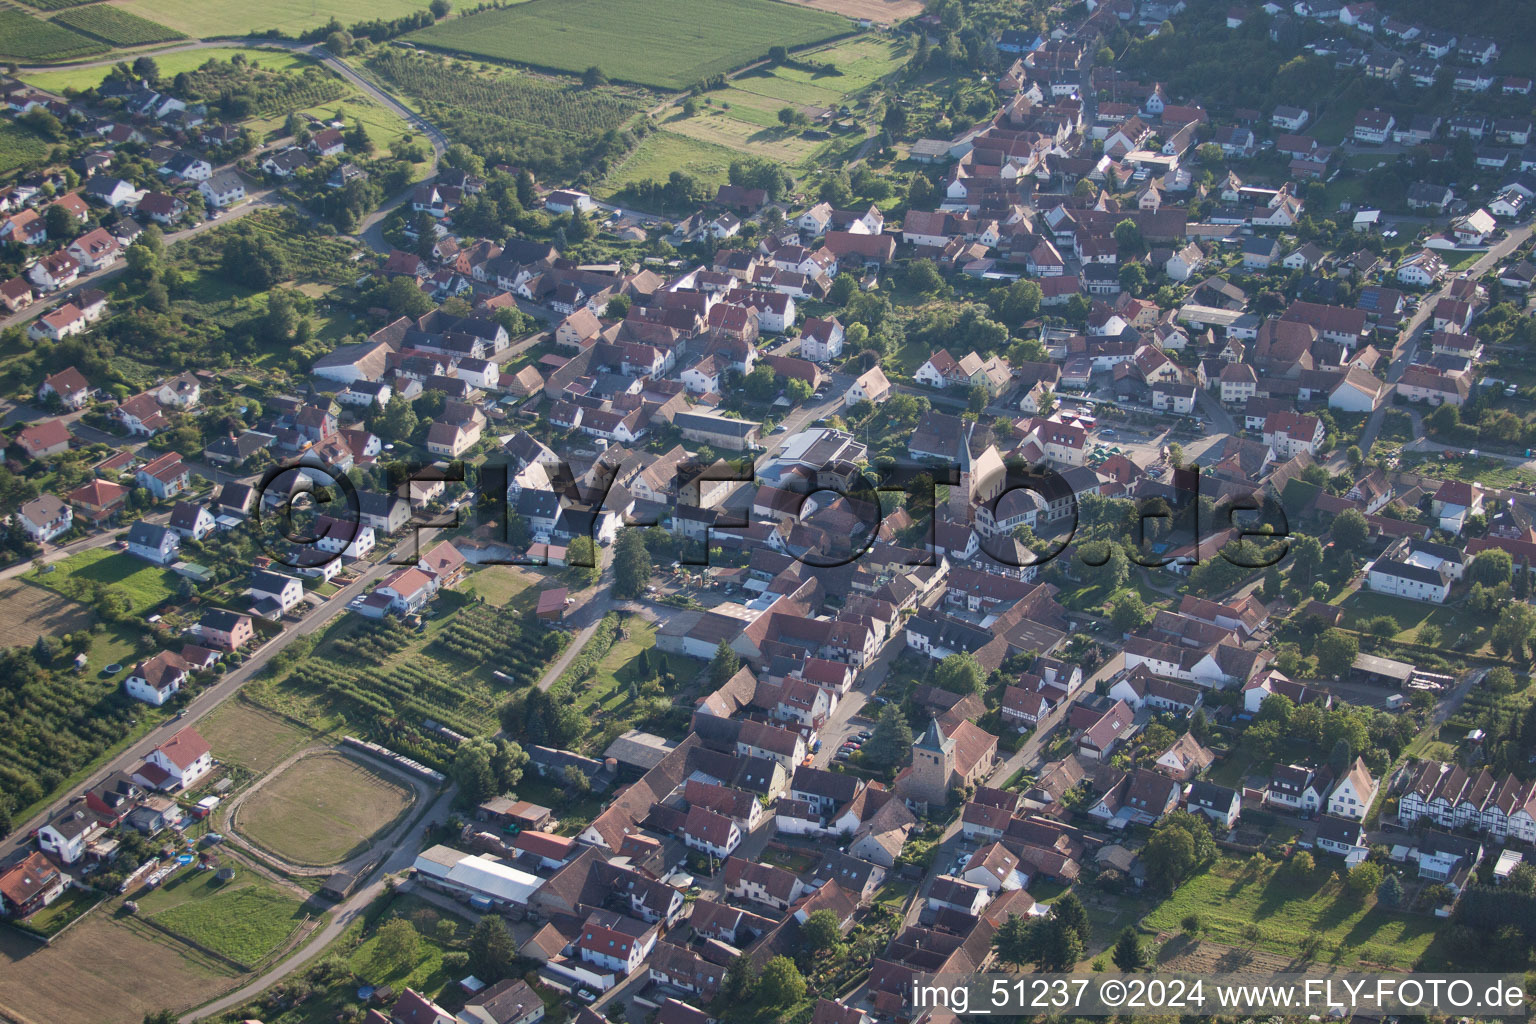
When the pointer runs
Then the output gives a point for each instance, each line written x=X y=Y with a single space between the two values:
x=27 y=38
x=116 y=26
x=665 y=43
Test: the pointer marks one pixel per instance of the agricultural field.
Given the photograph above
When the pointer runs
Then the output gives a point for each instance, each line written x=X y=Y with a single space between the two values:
x=669 y=44
x=25 y=38
x=79 y=979
x=143 y=584
x=322 y=809
x=1252 y=903
x=250 y=737
x=881 y=12
x=170 y=64
x=742 y=119
x=387 y=670
x=27 y=612
x=236 y=17
x=20 y=146
x=245 y=919
x=55 y=5
x=116 y=26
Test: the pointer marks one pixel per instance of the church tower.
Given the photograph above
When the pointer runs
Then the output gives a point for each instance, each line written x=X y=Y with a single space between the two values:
x=933 y=766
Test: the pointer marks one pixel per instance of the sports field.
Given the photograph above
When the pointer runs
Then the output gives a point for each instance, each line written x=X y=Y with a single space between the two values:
x=239 y=17
x=669 y=44
x=321 y=810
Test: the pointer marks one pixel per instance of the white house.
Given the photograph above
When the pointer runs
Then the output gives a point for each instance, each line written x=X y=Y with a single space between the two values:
x=1353 y=795
x=178 y=763
x=226 y=188
x=285 y=592
x=158 y=679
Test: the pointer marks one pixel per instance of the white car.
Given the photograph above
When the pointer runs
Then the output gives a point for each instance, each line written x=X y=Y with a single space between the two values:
x=586 y=996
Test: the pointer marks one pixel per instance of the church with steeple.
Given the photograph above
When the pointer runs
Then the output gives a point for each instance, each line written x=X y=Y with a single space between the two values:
x=952 y=753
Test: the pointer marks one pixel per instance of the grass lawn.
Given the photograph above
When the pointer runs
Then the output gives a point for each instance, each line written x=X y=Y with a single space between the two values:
x=171 y=64
x=321 y=810
x=425 y=974
x=1452 y=622
x=245 y=919
x=499 y=584
x=384 y=126
x=234 y=17
x=662 y=152
x=68 y=907
x=143 y=584
x=670 y=44
x=1246 y=903
x=250 y=737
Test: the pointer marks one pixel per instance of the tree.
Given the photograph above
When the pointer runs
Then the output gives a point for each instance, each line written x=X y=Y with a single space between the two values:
x=724 y=664
x=1351 y=531
x=1128 y=238
x=821 y=932
x=398 y=420
x=440 y=9
x=780 y=984
x=1129 y=954
x=593 y=77
x=1133 y=278
x=473 y=773
x=60 y=223
x=1069 y=910
x=1180 y=844
x=617 y=308
x=799 y=391
x=491 y=949
x=1516 y=623
x=398 y=944
x=1129 y=613
x=778 y=54
x=923 y=277
x=1522 y=879
x=891 y=740
x=631 y=565
x=1013 y=941
x=1301 y=865
x=1390 y=891
x=1306 y=558
x=1490 y=568
x=147 y=69
x=1176 y=455
x=959 y=673
x=1364 y=878
x=1336 y=652
x=1058 y=947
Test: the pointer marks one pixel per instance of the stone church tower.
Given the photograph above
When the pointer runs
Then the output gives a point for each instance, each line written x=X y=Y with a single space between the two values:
x=933 y=767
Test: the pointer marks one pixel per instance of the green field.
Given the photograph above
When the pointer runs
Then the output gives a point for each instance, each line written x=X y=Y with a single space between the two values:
x=116 y=26
x=1250 y=903
x=245 y=919
x=250 y=737
x=670 y=44
x=744 y=116
x=498 y=584
x=661 y=153
x=236 y=17
x=143 y=584
x=20 y=146
x=321 y=809
x=24 y=37
x=170 y=64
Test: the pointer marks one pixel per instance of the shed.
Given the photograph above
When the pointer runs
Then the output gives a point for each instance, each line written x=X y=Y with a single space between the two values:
x=551 y=605
x=1372 y=669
